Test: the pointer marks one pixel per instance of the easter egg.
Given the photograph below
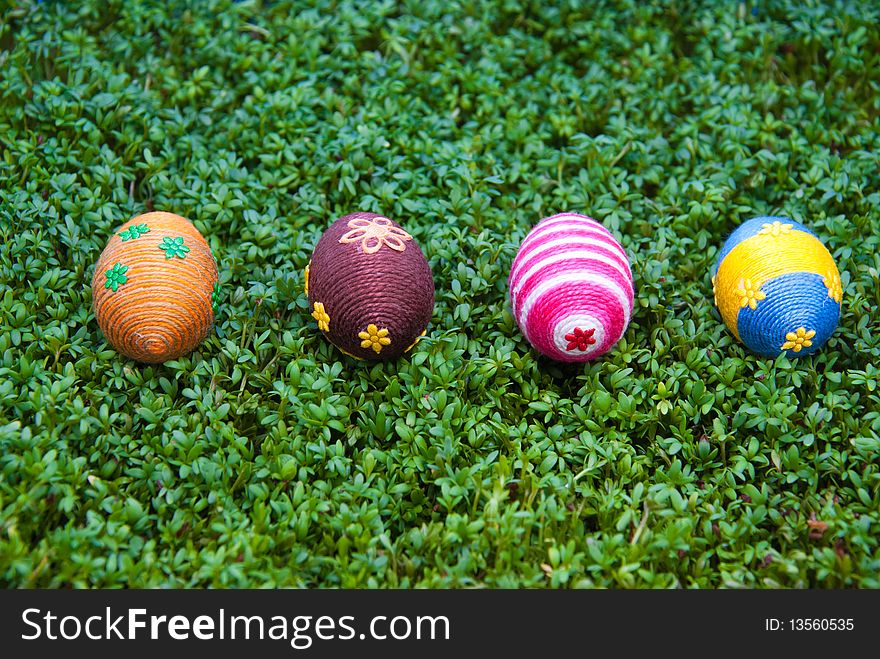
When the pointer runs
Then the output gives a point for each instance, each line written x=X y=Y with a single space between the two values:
x=571 y=288
x=370 y=287
x=154 y=288
x=777 y=287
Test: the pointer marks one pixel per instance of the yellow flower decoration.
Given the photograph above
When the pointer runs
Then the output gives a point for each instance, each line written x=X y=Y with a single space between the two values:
x=374 y=338
x=347 y=353
x=776 y=229
x=749 y=294
x=832 y=283
x=322 y=317
x=373 y=233
x=798 y=339
x=307 y=278
x=714 y=292
x=418 y=338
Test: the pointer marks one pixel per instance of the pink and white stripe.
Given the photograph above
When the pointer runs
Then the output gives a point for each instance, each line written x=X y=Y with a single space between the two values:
x=571 y=288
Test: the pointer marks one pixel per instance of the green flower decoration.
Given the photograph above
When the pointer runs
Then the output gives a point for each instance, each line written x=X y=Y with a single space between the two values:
x=133 y=232
x=174 y=247
x=116 y=276
x=215 y=297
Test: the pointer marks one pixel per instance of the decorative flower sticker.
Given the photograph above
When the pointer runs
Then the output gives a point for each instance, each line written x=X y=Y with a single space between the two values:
x=373 y=233
x=749 y=294
x=322 y=317
x=579 y=339
x=374 y=338
x=776 y=229
x=174 y=247
x=832 y=283
x=307 y=278
x=215 y=297
x=133 y=232
x=799 y=339
x=116 y=276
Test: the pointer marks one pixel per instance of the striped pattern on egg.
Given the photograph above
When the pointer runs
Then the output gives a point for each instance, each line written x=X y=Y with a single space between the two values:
x=571 y=288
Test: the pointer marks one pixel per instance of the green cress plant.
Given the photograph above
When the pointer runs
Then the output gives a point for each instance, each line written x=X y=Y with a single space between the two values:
x=267 y=458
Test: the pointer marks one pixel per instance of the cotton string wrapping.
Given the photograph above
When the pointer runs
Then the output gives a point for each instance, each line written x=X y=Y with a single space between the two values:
x=154 y=288
x=777 y=287
x=571 y=288
x=370 y=288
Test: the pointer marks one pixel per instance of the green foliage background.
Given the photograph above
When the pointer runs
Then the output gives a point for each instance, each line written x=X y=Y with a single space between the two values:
x=267 y=458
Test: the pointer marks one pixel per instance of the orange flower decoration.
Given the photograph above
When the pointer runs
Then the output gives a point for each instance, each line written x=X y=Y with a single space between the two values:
x=373 y=233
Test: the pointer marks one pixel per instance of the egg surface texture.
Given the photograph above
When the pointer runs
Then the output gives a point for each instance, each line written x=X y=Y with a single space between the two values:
x=154 y=288
x=777 y=287
x=370 y=288
x=571 y=288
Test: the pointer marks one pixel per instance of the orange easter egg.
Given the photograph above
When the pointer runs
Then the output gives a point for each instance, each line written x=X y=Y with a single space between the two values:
x=155 y=287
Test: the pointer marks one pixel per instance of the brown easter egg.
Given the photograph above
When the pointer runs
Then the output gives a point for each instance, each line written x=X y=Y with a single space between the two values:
x=370 y=287
x=155 y=287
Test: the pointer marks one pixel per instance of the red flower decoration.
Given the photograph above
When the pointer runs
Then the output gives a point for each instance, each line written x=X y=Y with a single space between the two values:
x=580 y=339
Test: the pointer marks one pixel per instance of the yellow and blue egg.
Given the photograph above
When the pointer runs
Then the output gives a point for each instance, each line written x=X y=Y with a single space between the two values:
x=777 y=287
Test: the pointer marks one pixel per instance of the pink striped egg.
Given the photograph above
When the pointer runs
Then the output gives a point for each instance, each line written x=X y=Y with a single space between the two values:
x=571 y=288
